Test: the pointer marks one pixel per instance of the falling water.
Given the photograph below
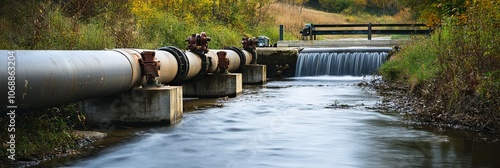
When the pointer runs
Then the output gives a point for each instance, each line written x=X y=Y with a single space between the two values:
x=339 y=63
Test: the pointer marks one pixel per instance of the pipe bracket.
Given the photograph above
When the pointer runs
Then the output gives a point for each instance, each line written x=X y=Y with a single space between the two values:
x=150 y=67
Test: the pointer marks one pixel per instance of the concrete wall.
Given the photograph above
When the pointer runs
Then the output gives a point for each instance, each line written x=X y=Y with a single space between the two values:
x=280 y=61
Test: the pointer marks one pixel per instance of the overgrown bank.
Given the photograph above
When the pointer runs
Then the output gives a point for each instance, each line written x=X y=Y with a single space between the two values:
x=455 y=72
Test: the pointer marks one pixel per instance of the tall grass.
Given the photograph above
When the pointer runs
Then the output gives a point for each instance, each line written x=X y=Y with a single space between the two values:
x=458 y=67
x=295 y=17
x=416 y=63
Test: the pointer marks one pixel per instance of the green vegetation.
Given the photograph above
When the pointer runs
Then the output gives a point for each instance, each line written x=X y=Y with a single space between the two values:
x=96 y=24
x=44 y=133
x=457 y=70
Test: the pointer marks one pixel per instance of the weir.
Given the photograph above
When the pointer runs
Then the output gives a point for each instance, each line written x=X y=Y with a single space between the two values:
x=340 y=61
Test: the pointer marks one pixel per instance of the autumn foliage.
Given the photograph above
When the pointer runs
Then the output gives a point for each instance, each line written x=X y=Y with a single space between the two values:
x=456 y=71
x=99 y=24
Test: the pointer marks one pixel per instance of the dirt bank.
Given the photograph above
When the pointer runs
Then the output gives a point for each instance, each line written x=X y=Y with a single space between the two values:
x=398 y=99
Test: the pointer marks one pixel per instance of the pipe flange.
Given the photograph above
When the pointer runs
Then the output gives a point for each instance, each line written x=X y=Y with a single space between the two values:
x=242 y=57
x=254 y=56
x=204 y=65
x=182 y=61
x=133 y=57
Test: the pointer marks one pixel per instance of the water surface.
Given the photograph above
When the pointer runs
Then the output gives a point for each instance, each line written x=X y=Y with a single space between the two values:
x=298 y=122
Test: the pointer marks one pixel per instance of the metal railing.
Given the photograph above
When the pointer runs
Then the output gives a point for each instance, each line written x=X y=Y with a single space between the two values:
x=310 y=31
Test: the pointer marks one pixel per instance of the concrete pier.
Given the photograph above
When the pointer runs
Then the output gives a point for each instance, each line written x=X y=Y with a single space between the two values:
x=254 y=74
x=141 y=105
x=214 y=85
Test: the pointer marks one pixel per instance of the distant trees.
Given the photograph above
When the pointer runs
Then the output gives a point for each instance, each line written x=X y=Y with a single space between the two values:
x=428 y=11
x=433 y=11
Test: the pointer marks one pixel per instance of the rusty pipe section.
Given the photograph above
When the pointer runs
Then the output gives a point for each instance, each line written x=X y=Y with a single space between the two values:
x=203 y=60
x=169 y=67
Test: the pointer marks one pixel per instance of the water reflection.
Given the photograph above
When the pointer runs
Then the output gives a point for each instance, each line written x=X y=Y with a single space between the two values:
x=285 y=124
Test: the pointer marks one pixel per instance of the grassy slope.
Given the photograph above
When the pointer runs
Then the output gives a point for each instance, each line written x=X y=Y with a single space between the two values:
x=295 y=17
x=456 y=71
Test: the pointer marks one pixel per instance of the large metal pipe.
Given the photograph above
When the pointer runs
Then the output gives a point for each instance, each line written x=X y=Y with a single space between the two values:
x=237 y=59
x=232 y=56
x=49 y=78
x=169 y=66
x=195 y=64
x=54 y=77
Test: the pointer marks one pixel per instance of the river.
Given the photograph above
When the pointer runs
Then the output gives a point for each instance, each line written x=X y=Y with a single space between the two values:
x=297 y=122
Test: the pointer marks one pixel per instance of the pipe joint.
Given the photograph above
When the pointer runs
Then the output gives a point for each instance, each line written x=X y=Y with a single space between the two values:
x=150 y=67
x=223 y=61
x=182 y=61
x=242 y=56
x=198 y=42
x=250 y=45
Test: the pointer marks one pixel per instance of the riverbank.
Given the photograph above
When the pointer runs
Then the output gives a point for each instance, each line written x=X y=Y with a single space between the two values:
x=453 y=77
x=399 y=100
x=83 y=140
x=46 y=134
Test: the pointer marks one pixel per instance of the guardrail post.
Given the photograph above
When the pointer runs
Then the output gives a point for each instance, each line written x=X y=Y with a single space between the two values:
x=281 y=32
x=369 y=31
x=311 y=29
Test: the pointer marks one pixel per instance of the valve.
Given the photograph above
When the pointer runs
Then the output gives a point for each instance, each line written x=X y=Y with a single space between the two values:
x=249 y=43
x=198 y=42
x=150 y=67
x=223 y=61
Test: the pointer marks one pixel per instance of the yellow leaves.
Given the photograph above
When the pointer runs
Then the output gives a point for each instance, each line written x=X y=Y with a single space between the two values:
x=360 y=2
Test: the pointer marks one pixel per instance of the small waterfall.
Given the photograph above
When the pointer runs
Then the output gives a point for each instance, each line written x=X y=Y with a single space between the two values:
x=338 y=63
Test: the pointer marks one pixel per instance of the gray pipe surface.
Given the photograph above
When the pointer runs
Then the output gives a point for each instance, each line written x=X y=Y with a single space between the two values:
x=233 y=57
x=194 y=65
x=50 y=77
x=169 y=66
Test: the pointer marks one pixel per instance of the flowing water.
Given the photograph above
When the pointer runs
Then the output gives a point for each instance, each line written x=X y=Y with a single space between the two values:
x=299 y=122
x=339 y=63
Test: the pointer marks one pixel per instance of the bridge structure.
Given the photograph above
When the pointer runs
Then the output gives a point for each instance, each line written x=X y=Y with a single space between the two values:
x=312 y=30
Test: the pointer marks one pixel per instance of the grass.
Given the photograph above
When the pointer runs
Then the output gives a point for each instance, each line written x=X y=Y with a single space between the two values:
x=44 y=133
x=415 y=64
x=456 y=71
x=294 y=19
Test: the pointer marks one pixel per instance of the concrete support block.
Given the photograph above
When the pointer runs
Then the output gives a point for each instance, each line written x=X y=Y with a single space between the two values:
x=254 y=74
x=214 y=85
x=141 y=105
